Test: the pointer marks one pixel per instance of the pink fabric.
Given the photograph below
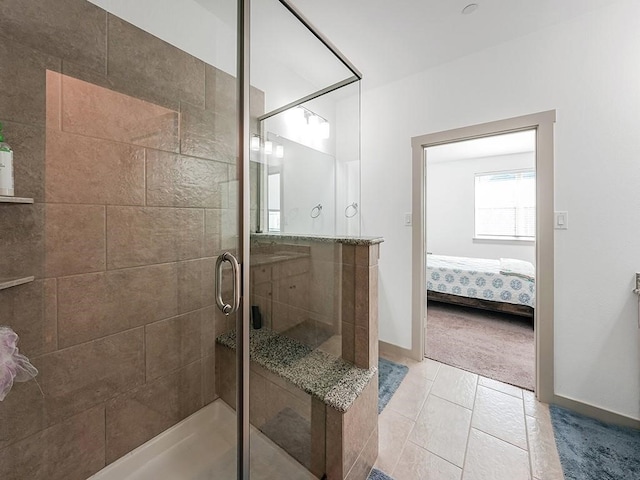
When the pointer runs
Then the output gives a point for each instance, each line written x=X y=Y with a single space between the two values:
x=13 y=365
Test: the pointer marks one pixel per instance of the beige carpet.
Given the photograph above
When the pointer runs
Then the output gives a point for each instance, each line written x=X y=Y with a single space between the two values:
x=494 y=345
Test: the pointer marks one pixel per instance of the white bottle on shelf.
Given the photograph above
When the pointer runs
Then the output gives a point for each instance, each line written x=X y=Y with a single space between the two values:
x=6 y=167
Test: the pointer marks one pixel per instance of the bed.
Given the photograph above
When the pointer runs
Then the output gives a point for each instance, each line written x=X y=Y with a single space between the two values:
x=504 y=285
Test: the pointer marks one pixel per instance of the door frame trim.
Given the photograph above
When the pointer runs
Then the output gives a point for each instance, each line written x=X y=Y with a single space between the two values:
x=543 y=123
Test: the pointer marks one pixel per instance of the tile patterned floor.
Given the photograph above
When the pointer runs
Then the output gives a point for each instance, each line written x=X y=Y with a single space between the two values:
x=445 y=423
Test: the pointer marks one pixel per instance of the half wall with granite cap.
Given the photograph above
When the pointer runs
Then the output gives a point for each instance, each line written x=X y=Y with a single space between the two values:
x=313 y=381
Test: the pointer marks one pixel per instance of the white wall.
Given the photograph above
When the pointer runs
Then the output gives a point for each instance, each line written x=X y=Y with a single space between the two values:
x=587 y=69
x=308 y=178
x=450 y=208
x=347 y=134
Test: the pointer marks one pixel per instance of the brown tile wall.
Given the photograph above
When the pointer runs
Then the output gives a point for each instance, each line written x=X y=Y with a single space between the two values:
x=352 y=437
x=127 y=146
x=360 y=304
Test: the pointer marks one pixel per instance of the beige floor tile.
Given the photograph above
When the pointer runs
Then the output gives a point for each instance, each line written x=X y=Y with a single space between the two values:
x=443 y=428
x=455 y=385
x=501 y=387
x=545 y=462
x=398 y=358
x=491 y=458
x=427 y=368
x=410 y=396
x=500 y=415
x=419 y=464
x=535 y=408
x=394 y=430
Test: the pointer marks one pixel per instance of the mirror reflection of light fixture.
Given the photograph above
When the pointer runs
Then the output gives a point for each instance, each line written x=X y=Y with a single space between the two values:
x=313 y=121
x=267 y=146
x=255 y=143
x=324 y=131
x=309 y=123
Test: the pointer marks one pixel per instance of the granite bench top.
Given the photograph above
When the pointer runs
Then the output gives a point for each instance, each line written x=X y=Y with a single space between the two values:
x=330 y=379
x=346 y=240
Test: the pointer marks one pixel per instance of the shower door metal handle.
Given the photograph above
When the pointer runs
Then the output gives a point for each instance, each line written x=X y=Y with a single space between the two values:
x=226 y=308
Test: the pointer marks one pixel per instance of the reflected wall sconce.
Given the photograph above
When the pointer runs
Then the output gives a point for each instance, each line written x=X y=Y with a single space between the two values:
x=310 y=122
x=267 y=147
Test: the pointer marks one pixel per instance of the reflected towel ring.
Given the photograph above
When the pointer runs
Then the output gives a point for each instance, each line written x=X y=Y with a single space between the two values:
x=354 y=206
x=318 y=207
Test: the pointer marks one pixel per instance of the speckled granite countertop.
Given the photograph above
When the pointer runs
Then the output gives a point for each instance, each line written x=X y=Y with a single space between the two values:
x=326 y=377
x=346 y=240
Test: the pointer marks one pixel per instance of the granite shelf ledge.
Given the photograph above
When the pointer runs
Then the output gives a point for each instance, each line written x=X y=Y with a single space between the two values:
x=4 y=199
x=14 y=282
x=346 y=240
x=324 y=376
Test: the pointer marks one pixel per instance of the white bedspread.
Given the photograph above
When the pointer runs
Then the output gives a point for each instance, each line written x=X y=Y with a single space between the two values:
x=477 y=278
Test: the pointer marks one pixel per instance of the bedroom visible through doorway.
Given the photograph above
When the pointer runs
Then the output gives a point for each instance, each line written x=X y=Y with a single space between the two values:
x=480 y=217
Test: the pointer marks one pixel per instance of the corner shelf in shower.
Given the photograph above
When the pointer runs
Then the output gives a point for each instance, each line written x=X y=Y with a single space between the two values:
x=14 y=282
x=4 y=199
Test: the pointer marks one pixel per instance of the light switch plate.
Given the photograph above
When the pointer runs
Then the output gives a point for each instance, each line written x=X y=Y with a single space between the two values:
x=561 y=220
x=407 y=220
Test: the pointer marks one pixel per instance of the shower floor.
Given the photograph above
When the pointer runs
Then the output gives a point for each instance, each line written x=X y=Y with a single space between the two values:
x=202 y=447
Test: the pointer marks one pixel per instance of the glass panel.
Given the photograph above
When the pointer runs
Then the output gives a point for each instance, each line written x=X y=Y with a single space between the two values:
x=319 y=163
x=287 y=61
x=123 y=129
x=305 y=166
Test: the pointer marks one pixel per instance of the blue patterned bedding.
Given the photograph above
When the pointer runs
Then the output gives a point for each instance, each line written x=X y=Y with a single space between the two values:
x=477 y=278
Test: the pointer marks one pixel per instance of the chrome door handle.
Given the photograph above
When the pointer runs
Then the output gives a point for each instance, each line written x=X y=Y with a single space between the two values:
x=226 y=308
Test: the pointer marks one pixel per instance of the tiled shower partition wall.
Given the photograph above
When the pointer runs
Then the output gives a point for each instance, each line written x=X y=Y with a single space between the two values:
x=127 y=146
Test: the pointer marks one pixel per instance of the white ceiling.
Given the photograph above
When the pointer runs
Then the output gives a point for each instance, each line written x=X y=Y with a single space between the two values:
x=506 y=144
x=388 y=40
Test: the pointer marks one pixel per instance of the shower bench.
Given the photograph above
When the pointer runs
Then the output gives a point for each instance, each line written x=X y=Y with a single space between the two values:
x=290 y=375
x=335 y=397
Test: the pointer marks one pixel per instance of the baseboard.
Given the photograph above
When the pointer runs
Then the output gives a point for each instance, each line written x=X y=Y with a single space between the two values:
x=595 y=412
x=391 y=349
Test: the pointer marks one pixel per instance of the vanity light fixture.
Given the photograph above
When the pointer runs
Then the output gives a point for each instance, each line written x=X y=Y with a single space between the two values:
x=324 y=130
x=255 y=143
x=268 y=147
x=279 y=151
x=309 y=122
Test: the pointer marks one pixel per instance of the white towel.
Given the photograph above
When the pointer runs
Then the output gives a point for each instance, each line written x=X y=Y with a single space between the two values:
x=517 y=268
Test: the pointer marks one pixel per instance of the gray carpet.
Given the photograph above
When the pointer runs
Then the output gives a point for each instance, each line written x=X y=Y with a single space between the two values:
x=390 y=376
x=378 y=475
x=593 y=450
x=495 y=345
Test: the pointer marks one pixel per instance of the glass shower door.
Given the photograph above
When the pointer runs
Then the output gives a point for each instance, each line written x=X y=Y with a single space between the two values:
x=123 y=122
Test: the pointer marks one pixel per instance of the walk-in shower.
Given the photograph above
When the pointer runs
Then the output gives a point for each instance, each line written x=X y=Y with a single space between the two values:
x=152 y=139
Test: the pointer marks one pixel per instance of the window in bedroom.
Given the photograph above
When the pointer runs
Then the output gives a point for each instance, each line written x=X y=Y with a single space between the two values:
x=505 y=205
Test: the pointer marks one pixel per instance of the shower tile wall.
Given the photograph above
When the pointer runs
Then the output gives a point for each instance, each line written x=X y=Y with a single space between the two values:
x=127 y=145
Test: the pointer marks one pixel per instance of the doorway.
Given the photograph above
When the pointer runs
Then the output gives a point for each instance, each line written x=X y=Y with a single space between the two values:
x=480 y=226
x=542 y=125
